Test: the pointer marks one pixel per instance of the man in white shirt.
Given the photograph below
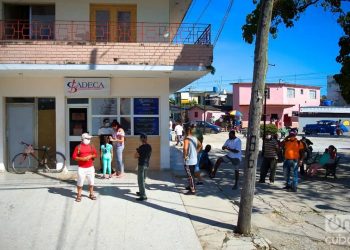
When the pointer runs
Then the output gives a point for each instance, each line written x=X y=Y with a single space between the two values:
x=178 y=132
x=234 y=156
x=105 y=129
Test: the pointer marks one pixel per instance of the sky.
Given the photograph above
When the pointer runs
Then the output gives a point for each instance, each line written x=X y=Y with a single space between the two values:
x=304 y=54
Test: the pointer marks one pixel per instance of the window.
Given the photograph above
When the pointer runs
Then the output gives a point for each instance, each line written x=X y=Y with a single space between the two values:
x=29 y=21
x=196 y=114
x=301 y=91
x=113 y=23
x=312 y=94
x=290 y=93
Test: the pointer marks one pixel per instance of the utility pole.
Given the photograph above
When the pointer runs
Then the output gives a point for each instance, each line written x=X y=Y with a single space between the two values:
x=255 y=111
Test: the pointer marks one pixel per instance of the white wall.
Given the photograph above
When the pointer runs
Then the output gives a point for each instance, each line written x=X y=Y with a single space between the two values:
x=23 y=86
x=79 y=10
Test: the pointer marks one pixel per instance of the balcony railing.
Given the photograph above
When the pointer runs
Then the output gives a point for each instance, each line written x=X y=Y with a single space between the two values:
x=78 y=31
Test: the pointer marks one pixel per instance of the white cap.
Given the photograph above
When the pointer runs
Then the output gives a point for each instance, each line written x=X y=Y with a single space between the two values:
x=86 y=136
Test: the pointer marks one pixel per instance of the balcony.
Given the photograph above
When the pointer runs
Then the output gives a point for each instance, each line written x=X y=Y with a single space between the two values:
x=85 y=32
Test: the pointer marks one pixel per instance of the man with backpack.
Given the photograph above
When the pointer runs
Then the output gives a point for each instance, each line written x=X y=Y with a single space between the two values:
x=293 y=157
x=84 y=154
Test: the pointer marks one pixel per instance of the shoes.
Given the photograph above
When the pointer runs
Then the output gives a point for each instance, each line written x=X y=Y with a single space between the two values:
x=121 y=175
x=262 y=181
x=141 y=198
x=199 y=183
x=138 y=193
x=188 y=188
x=286 y=187
x=294 y=189
x=190 y=193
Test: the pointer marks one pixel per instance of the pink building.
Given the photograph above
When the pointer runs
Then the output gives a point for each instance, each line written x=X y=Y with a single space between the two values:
x=196 y=113
x=283 y=101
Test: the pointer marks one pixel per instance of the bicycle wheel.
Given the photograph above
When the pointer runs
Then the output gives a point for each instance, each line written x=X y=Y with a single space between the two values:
x=56 y=163
x=21 y=163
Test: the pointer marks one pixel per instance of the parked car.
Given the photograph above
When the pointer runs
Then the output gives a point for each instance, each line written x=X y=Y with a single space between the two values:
x=325 y=126
x=209 y=127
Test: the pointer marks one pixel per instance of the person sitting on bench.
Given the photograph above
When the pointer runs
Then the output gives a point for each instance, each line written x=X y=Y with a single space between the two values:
x=328 y=157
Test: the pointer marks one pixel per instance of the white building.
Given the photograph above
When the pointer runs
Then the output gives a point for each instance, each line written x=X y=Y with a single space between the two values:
x=67 y=65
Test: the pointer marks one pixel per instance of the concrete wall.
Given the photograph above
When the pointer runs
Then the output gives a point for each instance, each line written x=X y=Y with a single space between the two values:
x=47 y=86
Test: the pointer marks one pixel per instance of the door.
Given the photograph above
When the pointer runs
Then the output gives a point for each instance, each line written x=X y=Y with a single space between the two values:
x=77 y=124
x=113 y=23
x=20 y=127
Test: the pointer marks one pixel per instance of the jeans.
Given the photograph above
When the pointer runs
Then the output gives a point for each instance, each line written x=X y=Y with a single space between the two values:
x=119 y=158
x=141 y=178
x=106 y=165
x=290 y=168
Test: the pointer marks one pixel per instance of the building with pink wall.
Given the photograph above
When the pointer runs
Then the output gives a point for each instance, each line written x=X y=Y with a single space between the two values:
x=201 y=113
x=283 y=101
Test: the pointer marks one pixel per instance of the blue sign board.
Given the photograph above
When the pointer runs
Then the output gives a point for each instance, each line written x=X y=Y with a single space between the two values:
x=146 y=106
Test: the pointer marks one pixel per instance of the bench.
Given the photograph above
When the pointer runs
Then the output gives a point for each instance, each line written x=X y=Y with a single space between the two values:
x=331 y=168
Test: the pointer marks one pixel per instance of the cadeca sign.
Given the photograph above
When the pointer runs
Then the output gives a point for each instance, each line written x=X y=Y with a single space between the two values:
x=87 y=87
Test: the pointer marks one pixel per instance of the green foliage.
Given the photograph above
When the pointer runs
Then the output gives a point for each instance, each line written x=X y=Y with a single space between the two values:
x=287 y=12
x=343 y=79
x=270 y=128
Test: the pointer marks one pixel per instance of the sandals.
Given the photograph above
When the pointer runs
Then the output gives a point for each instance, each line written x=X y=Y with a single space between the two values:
x=78 y=199
x=92 y=197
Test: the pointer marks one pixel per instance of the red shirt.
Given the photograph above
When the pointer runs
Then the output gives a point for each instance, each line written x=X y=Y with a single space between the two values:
x=84 y=150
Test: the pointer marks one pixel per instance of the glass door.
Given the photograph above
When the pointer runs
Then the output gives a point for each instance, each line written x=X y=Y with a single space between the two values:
x=77 y=124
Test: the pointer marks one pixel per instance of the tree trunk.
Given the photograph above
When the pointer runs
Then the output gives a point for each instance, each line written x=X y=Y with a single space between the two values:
x=255 y=111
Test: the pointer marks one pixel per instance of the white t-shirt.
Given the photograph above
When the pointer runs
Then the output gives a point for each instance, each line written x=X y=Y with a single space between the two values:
x=178 y=129
x=171 y=125
x=234 y=144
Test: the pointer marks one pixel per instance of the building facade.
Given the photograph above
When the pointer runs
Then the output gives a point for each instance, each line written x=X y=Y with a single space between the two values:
x=283 y=101
x=67 y=65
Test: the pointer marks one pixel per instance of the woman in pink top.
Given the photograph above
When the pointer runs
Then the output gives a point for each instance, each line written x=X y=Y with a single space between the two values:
x=118 y=139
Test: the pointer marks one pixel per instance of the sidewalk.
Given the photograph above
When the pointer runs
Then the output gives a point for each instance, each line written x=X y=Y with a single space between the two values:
x=39 y=212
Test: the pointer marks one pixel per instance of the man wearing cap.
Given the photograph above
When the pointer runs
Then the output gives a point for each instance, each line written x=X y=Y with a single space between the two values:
x=84 y=154
x=143 y=154
x=270 y=156
x=293 y=157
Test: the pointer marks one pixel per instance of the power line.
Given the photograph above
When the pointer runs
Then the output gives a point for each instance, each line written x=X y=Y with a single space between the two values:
x=223 y=22
x=203 y=11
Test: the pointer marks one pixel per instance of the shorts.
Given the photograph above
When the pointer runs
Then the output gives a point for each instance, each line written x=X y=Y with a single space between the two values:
x=89 y=173
x=234 y=161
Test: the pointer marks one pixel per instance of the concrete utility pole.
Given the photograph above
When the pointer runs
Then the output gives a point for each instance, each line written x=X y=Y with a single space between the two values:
x=255 y=111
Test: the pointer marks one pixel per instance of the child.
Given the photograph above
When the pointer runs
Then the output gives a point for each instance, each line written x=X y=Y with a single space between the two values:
x=106 y=157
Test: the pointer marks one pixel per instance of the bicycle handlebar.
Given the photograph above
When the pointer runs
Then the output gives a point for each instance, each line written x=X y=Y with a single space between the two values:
x=43 y=147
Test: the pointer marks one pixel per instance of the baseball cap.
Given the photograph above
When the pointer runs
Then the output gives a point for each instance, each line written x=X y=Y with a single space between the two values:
x=86 y=136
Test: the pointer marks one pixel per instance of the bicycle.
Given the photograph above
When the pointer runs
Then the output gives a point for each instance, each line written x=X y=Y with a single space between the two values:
x=25 y=161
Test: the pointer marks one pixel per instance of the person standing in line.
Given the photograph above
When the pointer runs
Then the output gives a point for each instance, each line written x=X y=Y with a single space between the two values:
x=190 y=150
x=178 y=132
x=197 y=172
x=270 y=156
x=118 y=139
x=170 y=129
x=233 y=144
x=106 y=157
x=293 y=156
x=84 y=154
x=143 y=154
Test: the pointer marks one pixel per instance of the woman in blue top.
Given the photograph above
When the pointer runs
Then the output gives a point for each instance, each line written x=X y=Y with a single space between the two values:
x=106 y=157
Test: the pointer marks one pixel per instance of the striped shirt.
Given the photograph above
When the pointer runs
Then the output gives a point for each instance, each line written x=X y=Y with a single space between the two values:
x=271 y=148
